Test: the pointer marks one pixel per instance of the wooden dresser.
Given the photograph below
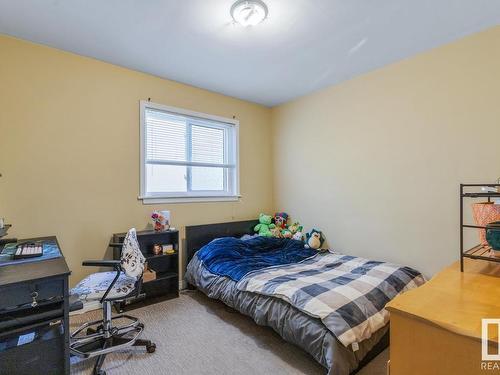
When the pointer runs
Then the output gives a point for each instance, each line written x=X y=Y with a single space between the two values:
x=436 y=329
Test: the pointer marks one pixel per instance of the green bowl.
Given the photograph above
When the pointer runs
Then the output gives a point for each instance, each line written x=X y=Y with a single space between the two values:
x=493 y=235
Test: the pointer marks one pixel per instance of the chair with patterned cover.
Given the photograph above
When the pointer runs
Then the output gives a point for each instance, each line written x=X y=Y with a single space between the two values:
x=101 y=337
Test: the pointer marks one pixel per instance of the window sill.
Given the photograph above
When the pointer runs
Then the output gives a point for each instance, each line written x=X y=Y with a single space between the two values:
x=157 y=200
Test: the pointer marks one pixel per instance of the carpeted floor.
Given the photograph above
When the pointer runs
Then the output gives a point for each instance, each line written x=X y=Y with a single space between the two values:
x=196 y=335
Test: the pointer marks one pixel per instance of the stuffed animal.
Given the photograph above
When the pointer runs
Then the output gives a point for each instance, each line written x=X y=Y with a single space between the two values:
x=298 y=236
x=286 y=233
x=296 y=230
x=281 y=219
x=265 y=225
x=276 y=232
x=314 y=239
x=295 y=227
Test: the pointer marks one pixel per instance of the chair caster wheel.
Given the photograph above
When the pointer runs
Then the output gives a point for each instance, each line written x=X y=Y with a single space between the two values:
x=151 y=348
x=140 y=325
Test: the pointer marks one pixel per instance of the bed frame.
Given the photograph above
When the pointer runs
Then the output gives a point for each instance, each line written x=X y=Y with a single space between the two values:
x=198 y=236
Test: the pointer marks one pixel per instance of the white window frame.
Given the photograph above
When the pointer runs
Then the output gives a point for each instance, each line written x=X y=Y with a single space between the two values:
x=187 y=197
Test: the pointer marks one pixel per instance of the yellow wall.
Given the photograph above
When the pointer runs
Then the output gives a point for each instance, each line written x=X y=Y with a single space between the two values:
x=69 y=149
x=376 y=161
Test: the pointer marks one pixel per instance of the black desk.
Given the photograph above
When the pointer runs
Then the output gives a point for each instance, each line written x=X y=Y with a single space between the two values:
x=34 y=321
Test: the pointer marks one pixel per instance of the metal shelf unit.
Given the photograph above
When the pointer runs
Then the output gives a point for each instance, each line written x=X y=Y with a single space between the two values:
x=480 y=252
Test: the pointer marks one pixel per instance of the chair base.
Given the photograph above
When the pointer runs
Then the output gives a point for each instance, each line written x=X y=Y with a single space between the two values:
x=101 y=337
x=113 y=344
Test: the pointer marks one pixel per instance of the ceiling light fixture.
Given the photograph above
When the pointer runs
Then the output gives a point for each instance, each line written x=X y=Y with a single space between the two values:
x=249 y=12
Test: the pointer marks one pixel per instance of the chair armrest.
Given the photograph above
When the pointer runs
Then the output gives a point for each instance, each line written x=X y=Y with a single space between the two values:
x=101 y=263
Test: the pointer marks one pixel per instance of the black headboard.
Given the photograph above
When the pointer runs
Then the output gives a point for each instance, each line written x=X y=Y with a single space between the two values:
x=199 y=235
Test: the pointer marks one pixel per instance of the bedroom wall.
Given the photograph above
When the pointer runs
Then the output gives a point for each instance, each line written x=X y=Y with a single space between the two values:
x=375 y=162
x=69 y=149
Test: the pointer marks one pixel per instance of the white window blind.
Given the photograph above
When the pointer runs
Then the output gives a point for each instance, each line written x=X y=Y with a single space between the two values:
x=187 y=154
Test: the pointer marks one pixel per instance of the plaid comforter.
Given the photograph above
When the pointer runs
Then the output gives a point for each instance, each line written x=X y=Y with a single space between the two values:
x=347 y=293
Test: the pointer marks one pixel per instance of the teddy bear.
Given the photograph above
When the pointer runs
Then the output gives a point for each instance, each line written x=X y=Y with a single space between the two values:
x=314 y=239
x=265 y=225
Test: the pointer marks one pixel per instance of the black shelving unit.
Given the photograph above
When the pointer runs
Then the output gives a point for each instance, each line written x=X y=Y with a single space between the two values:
x=480 y=252
x=166 y=266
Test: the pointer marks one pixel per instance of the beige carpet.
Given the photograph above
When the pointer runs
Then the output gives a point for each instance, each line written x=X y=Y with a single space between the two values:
x=196 y=335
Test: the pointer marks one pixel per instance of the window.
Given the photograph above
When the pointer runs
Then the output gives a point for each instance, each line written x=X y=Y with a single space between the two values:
x=187 y=156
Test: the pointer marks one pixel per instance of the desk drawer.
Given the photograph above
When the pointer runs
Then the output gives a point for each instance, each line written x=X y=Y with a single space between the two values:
x=36 y=349
x=21 y=295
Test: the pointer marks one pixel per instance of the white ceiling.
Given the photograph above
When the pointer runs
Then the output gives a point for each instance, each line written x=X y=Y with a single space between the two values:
x=304 y=45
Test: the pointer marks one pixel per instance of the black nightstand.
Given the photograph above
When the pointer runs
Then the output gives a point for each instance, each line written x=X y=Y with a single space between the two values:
x=166 y=266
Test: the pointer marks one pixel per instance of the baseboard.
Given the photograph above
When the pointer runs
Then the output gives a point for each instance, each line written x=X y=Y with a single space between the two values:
x=182 y=284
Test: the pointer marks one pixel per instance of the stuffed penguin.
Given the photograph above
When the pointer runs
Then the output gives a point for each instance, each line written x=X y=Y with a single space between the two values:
x=314 y=239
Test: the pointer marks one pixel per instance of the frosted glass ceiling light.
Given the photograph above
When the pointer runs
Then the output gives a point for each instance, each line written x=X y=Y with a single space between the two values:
x=249 y=12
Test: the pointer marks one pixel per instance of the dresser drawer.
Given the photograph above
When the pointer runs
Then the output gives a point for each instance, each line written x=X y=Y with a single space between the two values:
x=23 y=295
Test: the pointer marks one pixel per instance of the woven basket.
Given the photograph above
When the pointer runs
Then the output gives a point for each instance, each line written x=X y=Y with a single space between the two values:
x=485 y=213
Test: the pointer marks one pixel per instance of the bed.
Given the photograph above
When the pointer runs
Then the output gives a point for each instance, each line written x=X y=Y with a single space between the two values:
x=246 y=292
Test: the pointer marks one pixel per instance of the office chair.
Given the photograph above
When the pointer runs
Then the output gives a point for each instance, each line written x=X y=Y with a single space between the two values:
x=102 y=337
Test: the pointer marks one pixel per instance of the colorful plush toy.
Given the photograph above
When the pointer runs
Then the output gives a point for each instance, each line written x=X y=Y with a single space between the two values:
x=276 y=232
x=265 y=225
x=295 y=227
x=298 y=236
x=281 y=219
x=286 y=233
x=296 y=231
x=314 y=239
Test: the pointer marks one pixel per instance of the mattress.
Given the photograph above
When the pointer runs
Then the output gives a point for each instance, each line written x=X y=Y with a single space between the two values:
x=291 y=324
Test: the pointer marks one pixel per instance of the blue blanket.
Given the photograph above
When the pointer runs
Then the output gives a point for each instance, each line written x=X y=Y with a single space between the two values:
x=234 y=258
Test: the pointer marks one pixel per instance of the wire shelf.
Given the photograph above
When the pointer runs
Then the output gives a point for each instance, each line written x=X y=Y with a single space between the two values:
x=481 y=251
